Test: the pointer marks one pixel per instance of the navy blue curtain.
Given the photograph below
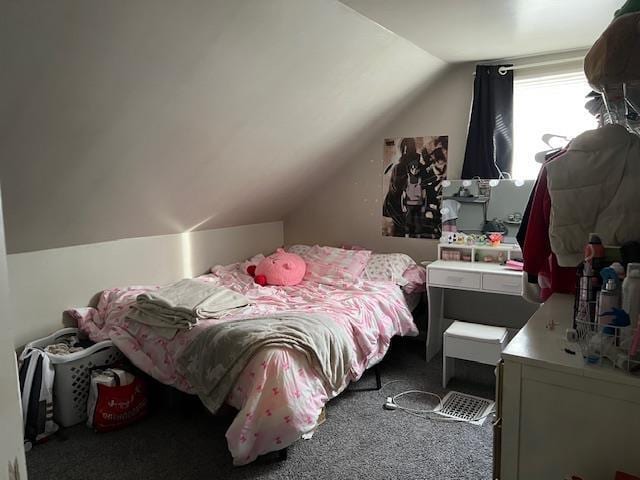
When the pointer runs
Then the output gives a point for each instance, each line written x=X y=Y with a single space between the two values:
x=490 y=140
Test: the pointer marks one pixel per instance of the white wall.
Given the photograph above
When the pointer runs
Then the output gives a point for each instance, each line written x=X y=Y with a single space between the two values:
x=46 y=282
x=11 y=440
x=348 y=208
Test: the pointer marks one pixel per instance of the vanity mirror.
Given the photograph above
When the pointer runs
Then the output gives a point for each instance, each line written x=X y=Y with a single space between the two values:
x=477 y=207
x=480 y=219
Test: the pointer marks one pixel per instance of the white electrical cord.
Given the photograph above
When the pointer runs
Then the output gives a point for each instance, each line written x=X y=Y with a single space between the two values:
x=415 y=410
x=426 y=414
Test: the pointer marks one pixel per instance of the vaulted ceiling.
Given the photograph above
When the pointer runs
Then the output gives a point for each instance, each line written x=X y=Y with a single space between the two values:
x=123 y=119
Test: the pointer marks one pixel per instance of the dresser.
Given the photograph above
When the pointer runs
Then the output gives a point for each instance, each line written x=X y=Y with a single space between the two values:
x=556 y=415
x=472 y=276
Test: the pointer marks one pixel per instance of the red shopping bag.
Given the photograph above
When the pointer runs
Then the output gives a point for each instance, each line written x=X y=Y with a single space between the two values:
x=114 y=406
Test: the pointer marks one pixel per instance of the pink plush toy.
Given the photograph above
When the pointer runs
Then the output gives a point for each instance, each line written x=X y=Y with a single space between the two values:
x=280 y=268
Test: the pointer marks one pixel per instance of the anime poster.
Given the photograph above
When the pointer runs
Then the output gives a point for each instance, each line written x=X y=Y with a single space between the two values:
x=413 y=169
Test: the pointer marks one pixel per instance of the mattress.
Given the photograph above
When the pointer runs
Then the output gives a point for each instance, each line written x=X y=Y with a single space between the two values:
x=279 y=397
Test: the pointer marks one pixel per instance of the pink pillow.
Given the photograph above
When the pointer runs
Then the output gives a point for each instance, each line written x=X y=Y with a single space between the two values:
x=352 y=261
x=416 y=277
x=328 y=274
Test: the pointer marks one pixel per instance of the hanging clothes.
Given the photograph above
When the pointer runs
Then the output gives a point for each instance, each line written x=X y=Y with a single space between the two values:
x=594 y=187
x=522 y=230
x=540 y=263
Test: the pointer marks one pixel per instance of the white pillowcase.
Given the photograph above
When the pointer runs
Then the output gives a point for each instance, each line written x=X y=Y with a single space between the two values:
x=298 y=249
x=388 y=267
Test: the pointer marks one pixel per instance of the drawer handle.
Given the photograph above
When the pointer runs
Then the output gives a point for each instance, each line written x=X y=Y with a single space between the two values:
x=454 y=279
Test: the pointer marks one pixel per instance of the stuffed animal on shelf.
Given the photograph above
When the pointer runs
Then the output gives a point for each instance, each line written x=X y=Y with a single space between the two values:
x=280 y=268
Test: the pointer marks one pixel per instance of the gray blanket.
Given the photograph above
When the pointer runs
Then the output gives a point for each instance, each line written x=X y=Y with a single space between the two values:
x=180 y=305
x=214 y=360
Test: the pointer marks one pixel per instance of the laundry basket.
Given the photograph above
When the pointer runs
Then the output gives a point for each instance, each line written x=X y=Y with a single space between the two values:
x=73 y=375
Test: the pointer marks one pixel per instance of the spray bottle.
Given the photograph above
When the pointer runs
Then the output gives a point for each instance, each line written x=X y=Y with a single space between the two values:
x=593 y=259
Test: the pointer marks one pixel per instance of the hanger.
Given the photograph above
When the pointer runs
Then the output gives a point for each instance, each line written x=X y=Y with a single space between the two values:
x=547 y=137
x=543 y=156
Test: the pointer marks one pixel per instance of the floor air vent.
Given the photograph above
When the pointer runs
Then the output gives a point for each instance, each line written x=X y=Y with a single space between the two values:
x=466 y=408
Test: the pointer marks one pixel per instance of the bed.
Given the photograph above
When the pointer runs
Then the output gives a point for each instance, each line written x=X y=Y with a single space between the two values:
x=278 y=396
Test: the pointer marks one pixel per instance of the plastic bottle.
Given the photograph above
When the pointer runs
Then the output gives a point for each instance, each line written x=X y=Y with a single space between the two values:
x=590 y=281
x=630 y=300
x=594 y=252
x=608 y=300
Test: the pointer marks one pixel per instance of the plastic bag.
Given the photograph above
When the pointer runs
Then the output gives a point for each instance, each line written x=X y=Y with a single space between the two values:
x=116 y=399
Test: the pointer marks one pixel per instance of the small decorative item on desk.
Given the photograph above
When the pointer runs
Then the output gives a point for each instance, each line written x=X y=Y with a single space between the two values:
x=451 y=238
x=495 y=238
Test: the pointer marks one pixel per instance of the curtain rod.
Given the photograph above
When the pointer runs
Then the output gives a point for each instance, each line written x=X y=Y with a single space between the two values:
x=504 y=70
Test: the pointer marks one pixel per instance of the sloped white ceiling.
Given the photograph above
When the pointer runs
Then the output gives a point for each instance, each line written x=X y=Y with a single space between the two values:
x=462 y=30
x=122 y=119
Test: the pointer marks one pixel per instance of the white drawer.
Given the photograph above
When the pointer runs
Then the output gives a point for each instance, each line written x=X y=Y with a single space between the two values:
x=510 y=284
x=455 y=279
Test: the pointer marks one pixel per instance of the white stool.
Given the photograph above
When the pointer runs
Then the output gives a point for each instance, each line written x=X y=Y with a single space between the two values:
x=471 y=341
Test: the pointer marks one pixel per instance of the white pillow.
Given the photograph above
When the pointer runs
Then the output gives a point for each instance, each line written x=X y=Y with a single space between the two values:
x=388 y=267
x=298 y=249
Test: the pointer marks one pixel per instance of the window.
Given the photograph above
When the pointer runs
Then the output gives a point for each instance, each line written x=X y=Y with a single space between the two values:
x=546 y=105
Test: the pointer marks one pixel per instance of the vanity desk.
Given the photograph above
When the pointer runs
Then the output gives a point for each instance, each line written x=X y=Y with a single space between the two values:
x=469 y=259
x=472 y=276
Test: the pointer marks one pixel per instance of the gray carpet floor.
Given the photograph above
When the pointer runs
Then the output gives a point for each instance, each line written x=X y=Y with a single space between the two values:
x=359 y=440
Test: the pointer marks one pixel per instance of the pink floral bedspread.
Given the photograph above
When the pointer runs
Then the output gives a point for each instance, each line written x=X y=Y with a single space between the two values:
x=279 y=397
